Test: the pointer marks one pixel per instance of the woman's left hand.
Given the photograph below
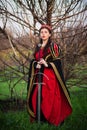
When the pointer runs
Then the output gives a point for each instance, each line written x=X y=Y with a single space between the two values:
x=42 y=61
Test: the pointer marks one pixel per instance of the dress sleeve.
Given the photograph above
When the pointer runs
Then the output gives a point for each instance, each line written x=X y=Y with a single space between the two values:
x=55 y=53
x=55 y=50
x=34 y=63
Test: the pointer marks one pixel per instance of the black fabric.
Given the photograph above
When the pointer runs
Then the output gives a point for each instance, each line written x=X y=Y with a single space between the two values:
x=29 y=73
x=58 y=65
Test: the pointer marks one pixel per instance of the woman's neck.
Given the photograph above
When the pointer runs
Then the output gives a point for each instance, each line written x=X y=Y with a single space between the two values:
x=44 y=43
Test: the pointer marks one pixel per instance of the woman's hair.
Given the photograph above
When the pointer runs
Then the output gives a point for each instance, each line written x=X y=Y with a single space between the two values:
x=48 y=27
x=47 y=45
x=48 y=42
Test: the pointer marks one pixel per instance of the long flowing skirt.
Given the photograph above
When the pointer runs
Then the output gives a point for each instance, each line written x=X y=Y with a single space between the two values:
x=54 y=104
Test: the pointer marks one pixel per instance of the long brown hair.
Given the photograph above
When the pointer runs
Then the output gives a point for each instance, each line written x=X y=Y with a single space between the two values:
x=47 y=45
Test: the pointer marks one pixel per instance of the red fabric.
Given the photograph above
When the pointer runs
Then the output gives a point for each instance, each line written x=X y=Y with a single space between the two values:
x=40 y=54
x=54 y=105
x=56 y=49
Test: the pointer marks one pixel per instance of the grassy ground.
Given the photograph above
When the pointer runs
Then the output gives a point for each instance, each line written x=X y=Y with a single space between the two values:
x=19 y=120
x=19 y=91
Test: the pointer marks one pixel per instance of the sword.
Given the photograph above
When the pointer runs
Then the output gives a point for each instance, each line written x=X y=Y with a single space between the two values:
x=39 y=93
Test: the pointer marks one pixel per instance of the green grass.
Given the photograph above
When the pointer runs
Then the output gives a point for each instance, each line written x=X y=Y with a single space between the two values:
x=19 y=90
x=19 y=120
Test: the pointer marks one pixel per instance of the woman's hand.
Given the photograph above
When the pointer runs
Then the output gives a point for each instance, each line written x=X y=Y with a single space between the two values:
x=42 y=61
x=38 y=66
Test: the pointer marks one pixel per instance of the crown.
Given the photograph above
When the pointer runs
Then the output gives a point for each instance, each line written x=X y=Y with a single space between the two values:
x=46 y=26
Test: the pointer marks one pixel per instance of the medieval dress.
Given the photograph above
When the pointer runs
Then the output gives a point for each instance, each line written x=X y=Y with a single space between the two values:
x=55 y=103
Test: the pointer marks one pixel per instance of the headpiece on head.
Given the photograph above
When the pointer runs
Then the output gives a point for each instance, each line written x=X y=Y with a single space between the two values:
x=46 y=26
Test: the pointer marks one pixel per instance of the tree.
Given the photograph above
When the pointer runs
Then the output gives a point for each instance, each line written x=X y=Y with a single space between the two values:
x=68 y=21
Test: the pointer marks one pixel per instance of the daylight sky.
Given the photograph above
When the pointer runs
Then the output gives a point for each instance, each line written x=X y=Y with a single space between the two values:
x=16 y=28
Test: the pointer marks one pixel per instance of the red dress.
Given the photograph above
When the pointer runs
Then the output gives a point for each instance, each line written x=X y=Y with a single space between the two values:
x=54 y=104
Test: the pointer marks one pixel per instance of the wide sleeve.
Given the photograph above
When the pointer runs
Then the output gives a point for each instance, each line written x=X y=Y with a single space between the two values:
x=32 y=66
x=55 y=50
x=54 y=53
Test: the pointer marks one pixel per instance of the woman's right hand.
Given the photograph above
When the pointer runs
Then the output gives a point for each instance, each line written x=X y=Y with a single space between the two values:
x=38 y=66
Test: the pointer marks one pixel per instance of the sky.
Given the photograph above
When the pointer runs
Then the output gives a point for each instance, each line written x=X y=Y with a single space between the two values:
x=16 y=29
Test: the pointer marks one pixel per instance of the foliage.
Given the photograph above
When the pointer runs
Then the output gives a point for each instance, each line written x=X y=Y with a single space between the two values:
x=19 y=120
x=13 y=85
x=79 y=76
x=69 y=30
x=10 y=88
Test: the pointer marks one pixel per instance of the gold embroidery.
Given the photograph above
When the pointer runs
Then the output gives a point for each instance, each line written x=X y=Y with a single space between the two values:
x=30 y=89
x=47 y=56
x=52 y=50
x=51 y=53
x=61 y=83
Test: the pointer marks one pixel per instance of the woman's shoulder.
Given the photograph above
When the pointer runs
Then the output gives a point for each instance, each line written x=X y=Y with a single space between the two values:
x=55 y=49
x=55 y=45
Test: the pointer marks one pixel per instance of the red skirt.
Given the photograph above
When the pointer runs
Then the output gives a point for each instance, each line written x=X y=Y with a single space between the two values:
x=54 y=104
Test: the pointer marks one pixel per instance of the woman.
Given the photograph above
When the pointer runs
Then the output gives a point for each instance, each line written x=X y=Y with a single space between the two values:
x=55 y=103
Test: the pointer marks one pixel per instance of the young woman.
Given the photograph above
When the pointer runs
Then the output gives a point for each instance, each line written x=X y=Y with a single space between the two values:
x=55 y=105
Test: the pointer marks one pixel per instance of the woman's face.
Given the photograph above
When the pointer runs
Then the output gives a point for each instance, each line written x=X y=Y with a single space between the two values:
x=44 y=34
